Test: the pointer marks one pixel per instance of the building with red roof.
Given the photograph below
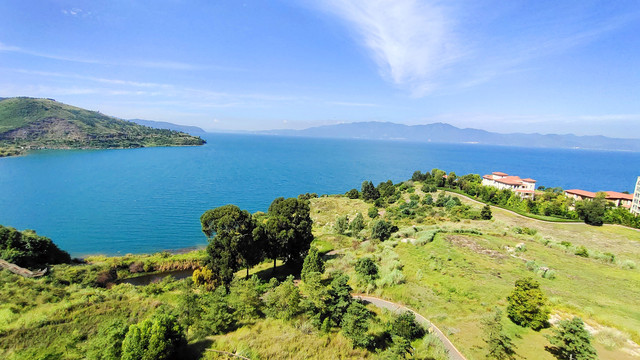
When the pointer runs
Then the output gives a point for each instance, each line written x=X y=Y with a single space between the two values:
x=616 y=198
x=525 y=188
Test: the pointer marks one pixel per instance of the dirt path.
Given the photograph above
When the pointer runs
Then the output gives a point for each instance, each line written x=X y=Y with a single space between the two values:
x=454 y=354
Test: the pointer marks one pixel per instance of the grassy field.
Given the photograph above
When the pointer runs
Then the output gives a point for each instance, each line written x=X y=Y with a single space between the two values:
x=442 y=263
x=459 y=277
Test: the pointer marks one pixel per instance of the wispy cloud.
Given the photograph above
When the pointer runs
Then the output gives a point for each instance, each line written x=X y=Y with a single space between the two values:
x=411 y=41
x=169 y=65
x=356 y=104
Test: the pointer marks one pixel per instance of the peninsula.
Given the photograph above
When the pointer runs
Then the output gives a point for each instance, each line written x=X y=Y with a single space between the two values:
x=30 y=123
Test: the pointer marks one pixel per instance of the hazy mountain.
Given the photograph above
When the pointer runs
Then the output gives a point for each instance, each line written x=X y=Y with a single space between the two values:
x=170 y=126
x=445 y=133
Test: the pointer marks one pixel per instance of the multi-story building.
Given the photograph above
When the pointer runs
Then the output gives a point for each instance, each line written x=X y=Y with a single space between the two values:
x=616 y=198
x=525 y=188
x=635 y=204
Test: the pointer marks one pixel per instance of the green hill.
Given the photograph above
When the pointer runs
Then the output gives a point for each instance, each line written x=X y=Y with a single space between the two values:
x=28 y=123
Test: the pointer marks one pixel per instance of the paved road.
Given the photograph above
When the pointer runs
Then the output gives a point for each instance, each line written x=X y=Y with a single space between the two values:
x=454 y=354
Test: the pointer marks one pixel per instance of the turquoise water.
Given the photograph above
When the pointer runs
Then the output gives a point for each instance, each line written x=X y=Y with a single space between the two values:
x=146 y=200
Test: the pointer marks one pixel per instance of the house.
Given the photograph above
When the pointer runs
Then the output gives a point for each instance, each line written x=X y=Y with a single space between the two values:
x=525 y=188
x=616 y=198
x=635 y=204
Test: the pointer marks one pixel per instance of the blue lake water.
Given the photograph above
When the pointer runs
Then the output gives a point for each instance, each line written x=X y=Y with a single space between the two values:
x=147 y=200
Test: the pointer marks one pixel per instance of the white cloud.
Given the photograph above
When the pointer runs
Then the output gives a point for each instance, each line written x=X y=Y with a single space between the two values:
x=411 y=41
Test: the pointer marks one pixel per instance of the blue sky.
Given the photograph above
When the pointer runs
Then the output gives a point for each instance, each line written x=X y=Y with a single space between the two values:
x=506 y=66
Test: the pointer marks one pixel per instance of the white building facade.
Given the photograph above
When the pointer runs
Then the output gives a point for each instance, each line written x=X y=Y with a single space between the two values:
x=525 y=188
x=635 y=204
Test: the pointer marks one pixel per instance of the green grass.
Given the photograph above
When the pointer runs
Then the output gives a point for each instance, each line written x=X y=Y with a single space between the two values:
x=459 y=277
x=75 y=128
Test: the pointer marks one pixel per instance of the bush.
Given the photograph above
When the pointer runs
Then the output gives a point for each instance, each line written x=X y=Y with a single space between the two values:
x=157 y=338
x=528 y=305
x=313 y=262
x=341 y=224
x=382 y=230
x=27 y=249
x=485 y=213
x=283 y=302
x=353 y=194
x=373 y=212
x=582 y=251
x=367 y=269
x=357 y=224
x=355 y=325
x=406 y=326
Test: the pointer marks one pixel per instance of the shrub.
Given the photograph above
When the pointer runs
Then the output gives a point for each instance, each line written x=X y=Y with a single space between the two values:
x=382 y=230
x=155 y=338
x=353 y=194
x=355 y=325
x=367 y=269
x=582 y=251
x=357 y=224
x=406 y=326
x=485 y=213
x=283 y=302
x=373 y=212
x=313 y=262
x=341 y=224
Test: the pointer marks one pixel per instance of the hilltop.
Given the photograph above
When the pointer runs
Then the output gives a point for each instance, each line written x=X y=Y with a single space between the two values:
x=446 y=133
x=29 y=123
x=170 y=126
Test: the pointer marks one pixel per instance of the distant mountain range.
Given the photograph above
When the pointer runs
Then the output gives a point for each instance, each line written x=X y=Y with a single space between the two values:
x=167 y=125
x=445 y=133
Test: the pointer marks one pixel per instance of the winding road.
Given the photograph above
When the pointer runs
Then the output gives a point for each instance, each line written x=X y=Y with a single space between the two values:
x=454 y=354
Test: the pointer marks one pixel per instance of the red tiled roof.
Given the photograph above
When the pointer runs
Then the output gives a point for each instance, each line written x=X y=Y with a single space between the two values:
x=582 y=193
x=528 y=180
x=611 y=195
x=617 y=195
x=510 y=180
x=499 y=173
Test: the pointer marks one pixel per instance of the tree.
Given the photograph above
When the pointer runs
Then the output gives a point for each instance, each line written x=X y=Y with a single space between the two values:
x=499 y=344
x=217 y=316
x=230 y=232
x=373 y=212
x=367 y=269
x=336 y=303
x=485 y=213
x=283 y=302
x=571 y=341
x=286 y=231
x=400 y=348
x=341 y=224
x=386 y=189
x=355 y=325
x=357 y=224
x=369 y=192
x=155 y=338
x=406 y=326
x=382 y=230
x=245 y=297
x=528 y=305
x=592 y=211
x=353 y=194
x=313 y=262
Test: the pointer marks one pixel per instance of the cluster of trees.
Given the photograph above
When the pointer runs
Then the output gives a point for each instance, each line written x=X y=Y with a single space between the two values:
x=548 y=201
x=332 y=306
x=28 y=249
x=238 y=239
x=528 y=307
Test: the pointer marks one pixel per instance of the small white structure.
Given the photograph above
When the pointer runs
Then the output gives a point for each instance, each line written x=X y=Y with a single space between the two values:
x=635 y=204
x=525 y=188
